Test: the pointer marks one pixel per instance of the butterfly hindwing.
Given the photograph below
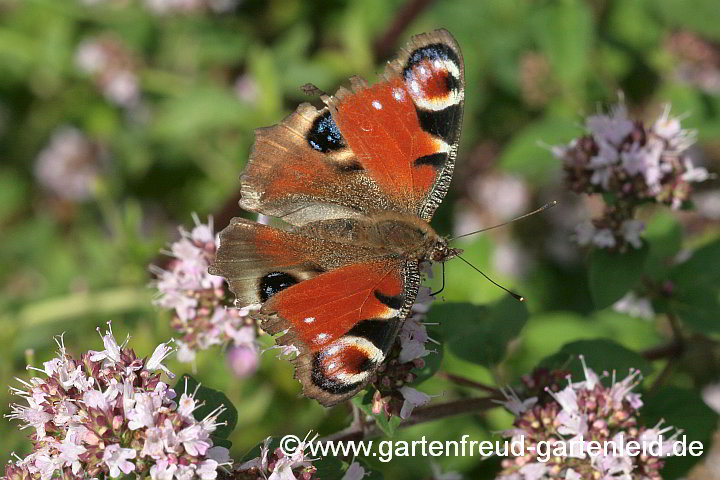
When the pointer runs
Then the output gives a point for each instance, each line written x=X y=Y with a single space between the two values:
x=338 y=302
x=343 y=324
x=389 y=146
x=258 y=260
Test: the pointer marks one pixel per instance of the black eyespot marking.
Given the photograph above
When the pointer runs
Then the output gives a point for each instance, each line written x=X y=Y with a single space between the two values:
x=441 y=123
x=437 y=160
x=317 y=376
x=324 y=135
x=366 y=365
x=452 y=83
x=380 y=332
x=274 y=282
x=352 y=166
x=395 y=302
x=434 y=51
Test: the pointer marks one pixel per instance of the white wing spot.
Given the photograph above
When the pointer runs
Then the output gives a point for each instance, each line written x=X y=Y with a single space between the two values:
x=333 y=350
x=321 y=336
x=309 y=319
x=415 y=86
x=377 y=105
x=398 y=94
x=332 y=366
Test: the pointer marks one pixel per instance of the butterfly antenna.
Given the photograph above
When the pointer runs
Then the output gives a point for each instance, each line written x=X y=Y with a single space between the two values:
x=541 y=209
x=517 y=297
x=443 y=283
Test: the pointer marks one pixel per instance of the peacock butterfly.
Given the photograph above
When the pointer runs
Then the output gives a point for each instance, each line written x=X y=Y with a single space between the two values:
x=358 y=181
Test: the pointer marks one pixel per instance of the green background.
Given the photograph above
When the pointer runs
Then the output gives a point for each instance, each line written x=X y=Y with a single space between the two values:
x=534 y=70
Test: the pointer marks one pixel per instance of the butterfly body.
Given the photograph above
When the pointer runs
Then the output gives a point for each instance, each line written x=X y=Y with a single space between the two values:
x=388 y=234
x=358 y=182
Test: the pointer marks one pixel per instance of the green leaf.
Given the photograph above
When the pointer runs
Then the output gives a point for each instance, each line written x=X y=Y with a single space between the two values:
x=613 y=274
x=664 y=234
x=684 y=409
x=564 y=31
x=12 y=193
x=696 y=294
x=702 y=269
x=701 y=18
x=698 y=308
x=600 y=355
x=202 y=111
x=525 y=155
x=480 y=334
x=387 y=426
x=329 y=468
x=211 y=400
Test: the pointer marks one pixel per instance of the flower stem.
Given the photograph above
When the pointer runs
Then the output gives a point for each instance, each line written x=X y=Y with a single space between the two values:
x=357 y=431
x=104 y=303
x=466 y=382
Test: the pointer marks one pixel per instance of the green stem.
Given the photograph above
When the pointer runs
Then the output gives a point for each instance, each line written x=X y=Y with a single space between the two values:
x=103 y=303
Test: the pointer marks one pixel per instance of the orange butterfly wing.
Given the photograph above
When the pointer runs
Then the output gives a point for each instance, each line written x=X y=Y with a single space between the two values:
x=343 y=322
x=340 y=304
x=390 y=146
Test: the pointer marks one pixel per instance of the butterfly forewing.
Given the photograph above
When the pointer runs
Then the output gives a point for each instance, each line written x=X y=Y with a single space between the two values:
x=389 y=146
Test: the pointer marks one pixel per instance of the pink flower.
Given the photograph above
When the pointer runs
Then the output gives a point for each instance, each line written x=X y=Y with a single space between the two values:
x=161 y=352
x=71 y=164
x=116 y=458
x=513 y=403
x=243 y=360
x=612 y=128
x=112 y=67
x=355 y=472
x=413 y=398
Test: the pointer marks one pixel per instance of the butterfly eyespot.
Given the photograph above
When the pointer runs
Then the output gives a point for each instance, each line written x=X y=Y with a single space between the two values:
x=324 y=135
x=435 y=57
x=345 y=365
x=433 y=77
x=274 y=282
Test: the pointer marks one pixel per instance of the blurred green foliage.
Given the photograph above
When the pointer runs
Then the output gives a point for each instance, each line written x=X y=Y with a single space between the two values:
x=206 y=80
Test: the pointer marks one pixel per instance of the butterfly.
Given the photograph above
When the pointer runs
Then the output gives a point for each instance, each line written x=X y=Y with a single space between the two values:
x=358 y=182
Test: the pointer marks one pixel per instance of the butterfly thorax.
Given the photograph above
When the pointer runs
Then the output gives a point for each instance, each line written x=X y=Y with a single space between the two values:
x=405 y=236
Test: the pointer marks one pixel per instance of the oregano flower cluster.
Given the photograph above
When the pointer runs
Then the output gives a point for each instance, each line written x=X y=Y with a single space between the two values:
x=576 y=414
x=201 y=305
x=109 y=413
x=630 y=164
